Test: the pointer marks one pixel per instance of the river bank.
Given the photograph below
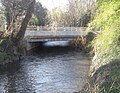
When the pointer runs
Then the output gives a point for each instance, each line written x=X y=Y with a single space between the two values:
x=105 y=67
x=10 y=50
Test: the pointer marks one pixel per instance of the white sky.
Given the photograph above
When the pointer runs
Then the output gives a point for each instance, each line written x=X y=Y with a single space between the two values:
x=50 y=4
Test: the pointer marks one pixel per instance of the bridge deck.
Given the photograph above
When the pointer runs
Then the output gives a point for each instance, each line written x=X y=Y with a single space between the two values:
x=44 y=34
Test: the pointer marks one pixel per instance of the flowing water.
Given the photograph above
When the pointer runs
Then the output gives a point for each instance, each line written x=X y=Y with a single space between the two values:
x=46 y=70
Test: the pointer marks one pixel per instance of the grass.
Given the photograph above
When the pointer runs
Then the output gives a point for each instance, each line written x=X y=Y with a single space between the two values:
x=105 y=77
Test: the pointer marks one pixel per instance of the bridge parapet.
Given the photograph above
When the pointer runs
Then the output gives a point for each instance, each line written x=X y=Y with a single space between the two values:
x=43 y=28
x=57 y=33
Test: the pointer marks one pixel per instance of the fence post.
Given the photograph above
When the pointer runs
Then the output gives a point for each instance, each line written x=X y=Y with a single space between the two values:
x=38 y=28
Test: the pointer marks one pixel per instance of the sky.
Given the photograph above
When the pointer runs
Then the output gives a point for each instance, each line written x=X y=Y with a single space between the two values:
x=51 y=4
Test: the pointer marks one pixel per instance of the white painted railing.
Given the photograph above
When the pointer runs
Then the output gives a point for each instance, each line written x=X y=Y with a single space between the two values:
x=43 y=28
x=37 y=34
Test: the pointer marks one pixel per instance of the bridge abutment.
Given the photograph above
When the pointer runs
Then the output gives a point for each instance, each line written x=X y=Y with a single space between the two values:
x=32 y=45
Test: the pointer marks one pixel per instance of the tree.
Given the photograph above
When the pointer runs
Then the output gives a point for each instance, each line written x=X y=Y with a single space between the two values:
x=11 y=45
x=13 y=9
x=78 y=13
x=56 y=17
x=40 y=12
x=24 y=24
x=2 y=19
x=33 y=21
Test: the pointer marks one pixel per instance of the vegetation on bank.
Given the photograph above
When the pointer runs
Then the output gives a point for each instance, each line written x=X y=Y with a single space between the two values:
x=11 y=38
x=8 y=50
x=105 y=68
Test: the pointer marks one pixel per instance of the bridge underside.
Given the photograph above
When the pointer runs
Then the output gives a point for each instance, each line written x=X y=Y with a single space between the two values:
x=35 y=42
x=32 y=45
x=45 y=39
x=34 y=37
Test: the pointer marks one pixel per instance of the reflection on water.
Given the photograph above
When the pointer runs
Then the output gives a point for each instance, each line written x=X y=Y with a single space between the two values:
x=57 y=43
x=46 y=70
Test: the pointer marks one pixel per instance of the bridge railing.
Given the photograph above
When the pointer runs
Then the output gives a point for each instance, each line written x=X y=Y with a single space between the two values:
x=43 y=28
x=45 y=32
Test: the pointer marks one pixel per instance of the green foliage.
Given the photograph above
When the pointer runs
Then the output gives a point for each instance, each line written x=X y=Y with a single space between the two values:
x=8 y=50
x=34 y=20
x=107 y=43
x=112 y=83
x=107 y=79
x=108 y=21
x=41 y=13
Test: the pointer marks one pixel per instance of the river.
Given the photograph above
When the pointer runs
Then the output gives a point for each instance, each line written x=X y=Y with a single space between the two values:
x=46 y=70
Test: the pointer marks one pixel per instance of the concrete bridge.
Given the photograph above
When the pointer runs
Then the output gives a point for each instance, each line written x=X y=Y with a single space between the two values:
x=38 y=34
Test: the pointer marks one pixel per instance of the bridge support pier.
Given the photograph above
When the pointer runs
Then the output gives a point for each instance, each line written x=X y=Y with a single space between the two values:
x=31 y=45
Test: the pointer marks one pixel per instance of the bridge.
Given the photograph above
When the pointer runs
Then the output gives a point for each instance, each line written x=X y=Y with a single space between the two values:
x=38 y=34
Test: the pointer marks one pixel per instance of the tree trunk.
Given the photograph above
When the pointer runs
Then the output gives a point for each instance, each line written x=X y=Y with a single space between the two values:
x=24 y=24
